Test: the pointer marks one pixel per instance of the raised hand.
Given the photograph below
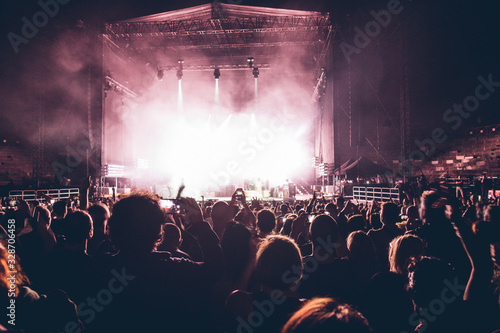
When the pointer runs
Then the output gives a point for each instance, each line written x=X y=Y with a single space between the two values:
x=192 y=212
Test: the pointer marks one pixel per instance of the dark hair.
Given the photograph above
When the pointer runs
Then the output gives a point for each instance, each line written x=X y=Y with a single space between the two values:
x=77 y=227
x=266 y=221
x=99 y=213
x=412 y=211
x=426 y=279
x=135 y=224
x=287 y=225
x=235 y=244
x=172 y=237
x=59 y=208
x=355 y=223
x=375 y=221
x=429 y=199
x=322 y=227
x=277 y=255
x=389 y=213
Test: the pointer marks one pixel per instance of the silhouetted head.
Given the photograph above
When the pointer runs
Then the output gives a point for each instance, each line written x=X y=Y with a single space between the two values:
x=402 y=250
x=172 y=238
x=428 y=277
x=135 y=224
x=387 y=304
x=100 y=215
x=236 y=247
x=375 y=221
x=221 y=215
x=284 y=209
x=322 y=315
x=412 y=213
x=360 y=246
x=340 y=203
x=59 y=209
x=266 y=221
x=389 y=213
x=287 y=225
x=430 y=209
x=331 y=209
x=298 y=208
x=77 y=227
x=277 y=262
x=323 y=229
x=355 y=223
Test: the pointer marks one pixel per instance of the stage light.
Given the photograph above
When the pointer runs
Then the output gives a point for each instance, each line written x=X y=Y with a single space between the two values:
x=180 y=73
x=250 y=62
x=217 y=73
x=255 y=72
x=160 y=74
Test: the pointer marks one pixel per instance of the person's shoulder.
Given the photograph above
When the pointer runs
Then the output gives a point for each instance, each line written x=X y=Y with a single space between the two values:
x=374 y=232
x=104 y=260
x=240 y=303
x=181 y=254
x=27 y=294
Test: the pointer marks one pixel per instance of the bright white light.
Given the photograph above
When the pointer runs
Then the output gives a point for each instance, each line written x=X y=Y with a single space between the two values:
x=216 y=90
x=256 y=89
x=180 y=102
x=204 y=144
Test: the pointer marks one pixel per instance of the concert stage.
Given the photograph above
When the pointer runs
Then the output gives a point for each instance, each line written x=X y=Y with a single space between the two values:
x=215 y=95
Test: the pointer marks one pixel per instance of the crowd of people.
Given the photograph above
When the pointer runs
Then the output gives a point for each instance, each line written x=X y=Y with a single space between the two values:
x=425 y=264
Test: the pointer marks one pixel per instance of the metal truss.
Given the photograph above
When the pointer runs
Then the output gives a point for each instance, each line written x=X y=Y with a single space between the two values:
x=218 y=26
x=227 y=46
x=225 y=34
x=201 y=68
x=111 y=84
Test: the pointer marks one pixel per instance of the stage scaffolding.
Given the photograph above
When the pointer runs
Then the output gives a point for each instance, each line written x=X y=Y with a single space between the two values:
x=219 y=29
x=222 y=36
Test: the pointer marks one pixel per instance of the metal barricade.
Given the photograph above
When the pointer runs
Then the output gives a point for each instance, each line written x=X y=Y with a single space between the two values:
x=381 y=194
x=56 y=194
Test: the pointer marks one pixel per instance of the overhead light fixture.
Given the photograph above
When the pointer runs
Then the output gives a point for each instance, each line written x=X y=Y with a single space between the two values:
x=250 y=62
x=217 y=73
x=180 y=73
x=160 y=74
x=255 y=72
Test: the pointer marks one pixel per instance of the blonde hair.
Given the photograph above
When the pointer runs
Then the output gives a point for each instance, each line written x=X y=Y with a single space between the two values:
x=402 y=249
x=5 y=268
